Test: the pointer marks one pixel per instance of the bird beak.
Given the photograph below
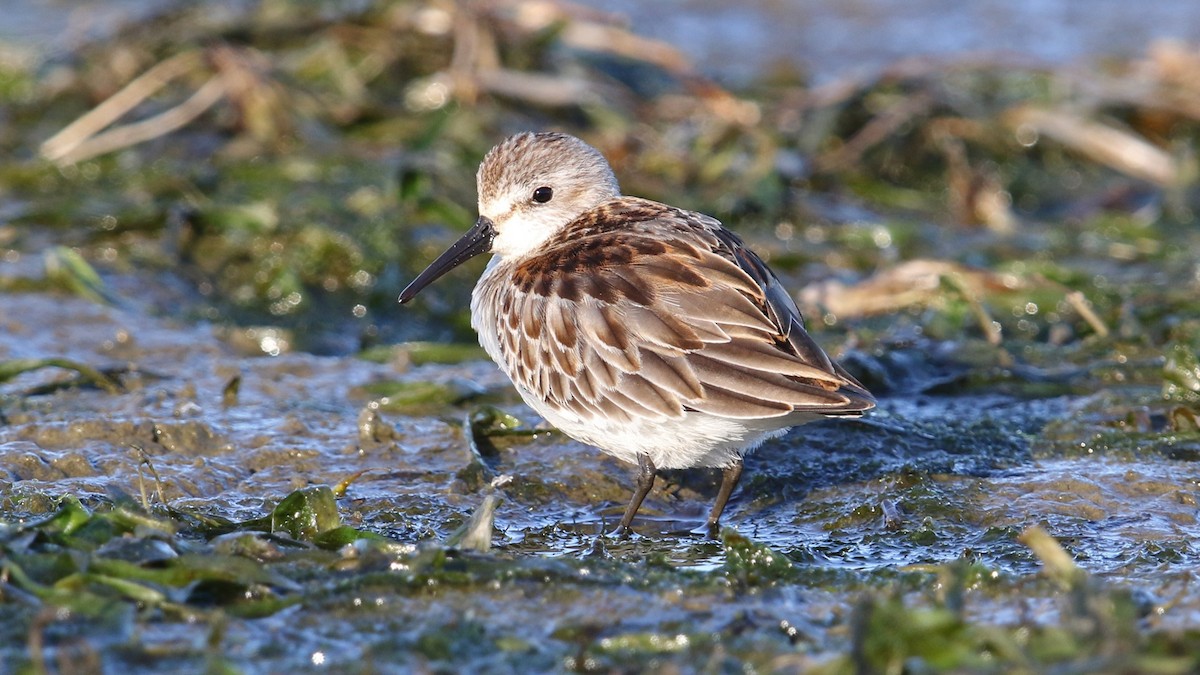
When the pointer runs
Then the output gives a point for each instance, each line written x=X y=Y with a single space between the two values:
x=477 y=240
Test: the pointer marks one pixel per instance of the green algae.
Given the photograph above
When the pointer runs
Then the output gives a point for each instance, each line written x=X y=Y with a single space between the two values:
x=417 y=397
x=886 y=630
x=86 y=374
x=1181 y=374
x=421 y=353
x=306 y=513
x=748 y=563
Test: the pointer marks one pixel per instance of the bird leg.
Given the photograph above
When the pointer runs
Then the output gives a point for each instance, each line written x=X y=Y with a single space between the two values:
x=645 y=481
x=729 y=481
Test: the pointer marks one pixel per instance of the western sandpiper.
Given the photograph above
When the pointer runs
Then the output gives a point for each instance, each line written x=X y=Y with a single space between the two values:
x=648 y=331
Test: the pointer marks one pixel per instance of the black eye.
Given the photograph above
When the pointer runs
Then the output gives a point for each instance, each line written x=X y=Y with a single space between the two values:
x=542 y=194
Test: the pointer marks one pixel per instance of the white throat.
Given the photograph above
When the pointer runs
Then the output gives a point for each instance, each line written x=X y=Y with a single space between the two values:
x=520 y=235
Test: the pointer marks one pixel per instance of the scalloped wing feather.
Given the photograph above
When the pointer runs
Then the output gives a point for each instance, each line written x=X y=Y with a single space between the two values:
x=650 y=311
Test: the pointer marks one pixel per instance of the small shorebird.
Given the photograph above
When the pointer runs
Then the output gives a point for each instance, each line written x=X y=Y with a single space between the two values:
x=645 y=330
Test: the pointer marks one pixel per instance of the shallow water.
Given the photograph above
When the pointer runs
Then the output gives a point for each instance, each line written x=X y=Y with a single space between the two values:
x=741 y=41
x=883 y=502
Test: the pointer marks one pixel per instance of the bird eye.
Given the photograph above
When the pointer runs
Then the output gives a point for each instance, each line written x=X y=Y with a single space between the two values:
x=542 y=194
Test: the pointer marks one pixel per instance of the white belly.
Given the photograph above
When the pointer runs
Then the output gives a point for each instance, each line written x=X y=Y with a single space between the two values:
x=695 y=440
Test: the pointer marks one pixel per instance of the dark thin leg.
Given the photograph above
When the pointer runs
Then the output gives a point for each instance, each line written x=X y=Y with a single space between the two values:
x=728 y=482
x=645 y=481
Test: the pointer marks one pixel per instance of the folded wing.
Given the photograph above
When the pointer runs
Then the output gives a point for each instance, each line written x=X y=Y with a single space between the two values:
x=641 y=311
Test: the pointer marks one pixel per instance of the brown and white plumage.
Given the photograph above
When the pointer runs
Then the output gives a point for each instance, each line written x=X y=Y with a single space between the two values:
x=648 y=331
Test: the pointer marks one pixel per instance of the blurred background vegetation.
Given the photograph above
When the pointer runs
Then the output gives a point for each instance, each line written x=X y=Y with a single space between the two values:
x=288 y=163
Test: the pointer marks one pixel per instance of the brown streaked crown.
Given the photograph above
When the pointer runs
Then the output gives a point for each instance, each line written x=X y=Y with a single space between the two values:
x=542 y=156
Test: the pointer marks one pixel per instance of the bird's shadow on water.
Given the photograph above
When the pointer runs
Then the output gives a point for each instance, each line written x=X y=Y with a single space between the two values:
x=971 y=435
x=827 y=492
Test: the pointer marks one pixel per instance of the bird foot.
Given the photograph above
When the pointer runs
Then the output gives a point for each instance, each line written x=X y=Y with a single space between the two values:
x=710 y=529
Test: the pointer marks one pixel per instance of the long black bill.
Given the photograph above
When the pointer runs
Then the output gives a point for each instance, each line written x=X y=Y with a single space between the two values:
x=477 y=240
